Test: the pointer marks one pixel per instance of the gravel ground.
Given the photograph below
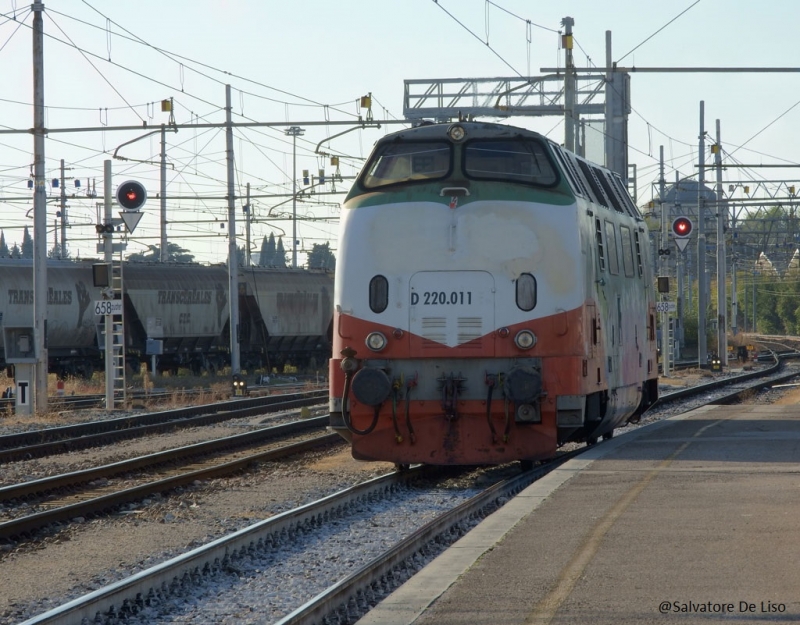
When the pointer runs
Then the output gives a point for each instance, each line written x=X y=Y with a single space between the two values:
x=89 y=554
x=38 y=468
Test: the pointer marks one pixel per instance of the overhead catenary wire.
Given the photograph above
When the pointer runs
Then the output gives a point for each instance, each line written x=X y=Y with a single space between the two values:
x=168 y=54
x=465 y=27
x=695 y=3
x=19 y=25
x=257 y=141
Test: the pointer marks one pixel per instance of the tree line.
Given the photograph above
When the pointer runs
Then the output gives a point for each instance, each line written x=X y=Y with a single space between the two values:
x=26 y=251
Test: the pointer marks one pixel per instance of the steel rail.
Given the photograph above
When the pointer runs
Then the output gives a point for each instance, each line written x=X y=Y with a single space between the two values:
x=396 y=565
x=26 y=445
x=127 y=594
x=716 y=384
x=349 y=599
x=45 y=485
x=23 y=526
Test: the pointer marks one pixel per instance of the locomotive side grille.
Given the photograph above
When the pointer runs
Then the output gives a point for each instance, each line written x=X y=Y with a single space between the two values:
x=434 y=330
x=469 y=329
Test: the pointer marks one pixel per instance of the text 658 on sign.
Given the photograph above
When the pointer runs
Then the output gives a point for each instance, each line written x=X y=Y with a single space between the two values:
x=108 y=307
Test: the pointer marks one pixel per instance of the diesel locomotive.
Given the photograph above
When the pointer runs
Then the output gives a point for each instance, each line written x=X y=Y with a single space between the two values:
x=494 y=299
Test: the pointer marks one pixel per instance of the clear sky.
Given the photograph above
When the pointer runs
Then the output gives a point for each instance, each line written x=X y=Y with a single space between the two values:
x=110 y=63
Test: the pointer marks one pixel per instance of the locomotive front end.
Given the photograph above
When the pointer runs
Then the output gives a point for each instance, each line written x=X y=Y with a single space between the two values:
x=458 y=300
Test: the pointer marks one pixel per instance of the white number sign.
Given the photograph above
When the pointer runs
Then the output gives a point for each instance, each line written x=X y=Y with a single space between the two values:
x=108 y=307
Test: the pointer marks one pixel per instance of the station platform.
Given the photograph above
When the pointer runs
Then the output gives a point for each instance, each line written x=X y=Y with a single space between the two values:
x=693 y=519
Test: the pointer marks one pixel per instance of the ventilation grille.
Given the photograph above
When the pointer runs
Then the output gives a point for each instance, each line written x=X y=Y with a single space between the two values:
x=435 y=331
x=469 y=329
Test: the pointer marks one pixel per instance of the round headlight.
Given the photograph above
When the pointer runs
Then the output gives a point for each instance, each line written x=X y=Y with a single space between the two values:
x=376 y=341
x=525 y=339
x=456 y=133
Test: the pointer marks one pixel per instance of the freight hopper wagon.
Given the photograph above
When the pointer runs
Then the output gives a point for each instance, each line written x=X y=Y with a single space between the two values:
x=71 y=322
x=286 y=316
x=180 y=312
x=494 y=299
x=181 y=309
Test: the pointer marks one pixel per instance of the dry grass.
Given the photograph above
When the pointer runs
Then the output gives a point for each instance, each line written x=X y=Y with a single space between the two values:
x=168 y=392
x=180 y=392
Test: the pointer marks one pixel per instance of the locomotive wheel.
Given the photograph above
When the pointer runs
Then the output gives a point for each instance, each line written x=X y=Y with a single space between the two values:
x=608 y=435
x=401 y=468
x=591 y=441
x=526 y=465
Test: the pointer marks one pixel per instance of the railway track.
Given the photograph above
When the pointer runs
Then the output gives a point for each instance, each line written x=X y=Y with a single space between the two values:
x=297 y=529
x=98 y=400
x=345 y=599
x=92 y=500
x=732 y=389
x=37 y=443
x=90 y=493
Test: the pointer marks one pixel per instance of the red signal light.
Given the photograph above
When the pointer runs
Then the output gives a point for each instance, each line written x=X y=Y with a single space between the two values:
x=131 y=195
x=682 y=227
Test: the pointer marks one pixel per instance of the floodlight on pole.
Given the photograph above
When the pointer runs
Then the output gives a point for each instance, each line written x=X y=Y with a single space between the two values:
x=294 y=132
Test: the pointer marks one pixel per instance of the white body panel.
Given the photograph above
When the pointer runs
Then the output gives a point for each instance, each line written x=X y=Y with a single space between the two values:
x=498 y=239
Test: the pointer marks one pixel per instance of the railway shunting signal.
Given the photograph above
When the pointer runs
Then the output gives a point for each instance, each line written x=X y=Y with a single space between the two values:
x=131 y=196
x=681 y=229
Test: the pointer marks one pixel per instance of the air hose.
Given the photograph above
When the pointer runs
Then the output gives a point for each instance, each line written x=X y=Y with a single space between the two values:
x=398 y=437
x=490 y=381
x=409 y=385
x=346 y=413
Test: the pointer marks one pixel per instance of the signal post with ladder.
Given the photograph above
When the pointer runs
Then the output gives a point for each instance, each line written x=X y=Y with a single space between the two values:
x=131 y=196
x=681 y=230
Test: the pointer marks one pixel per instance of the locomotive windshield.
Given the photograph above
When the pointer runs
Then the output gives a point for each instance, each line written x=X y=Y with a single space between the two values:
x=404 y=162
x=509 y=160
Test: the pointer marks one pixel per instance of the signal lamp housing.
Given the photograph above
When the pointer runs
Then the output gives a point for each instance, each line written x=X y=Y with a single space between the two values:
x=131 y=195
x=682 y=227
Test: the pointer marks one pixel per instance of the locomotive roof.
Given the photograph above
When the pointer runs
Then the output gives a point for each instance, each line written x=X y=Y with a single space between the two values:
x=474 y=130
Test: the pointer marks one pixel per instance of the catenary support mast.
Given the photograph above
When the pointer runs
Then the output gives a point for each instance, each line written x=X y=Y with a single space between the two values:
x=63 y=248
x=722 y=218
x=164 y=250
x=702 y=279
x=39 y=217
x=233 y=261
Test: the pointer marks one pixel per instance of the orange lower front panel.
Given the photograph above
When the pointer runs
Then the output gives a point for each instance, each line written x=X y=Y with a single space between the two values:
x=464 y=439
